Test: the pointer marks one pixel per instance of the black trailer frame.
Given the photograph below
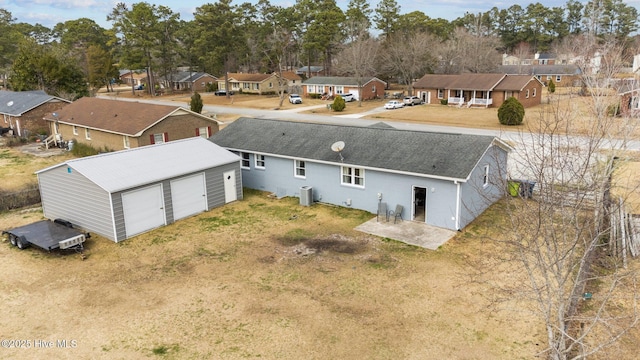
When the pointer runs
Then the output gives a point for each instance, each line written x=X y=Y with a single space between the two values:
x=48 y=235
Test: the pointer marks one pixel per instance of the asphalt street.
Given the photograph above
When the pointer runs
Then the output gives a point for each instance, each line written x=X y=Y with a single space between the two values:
x=522 y=142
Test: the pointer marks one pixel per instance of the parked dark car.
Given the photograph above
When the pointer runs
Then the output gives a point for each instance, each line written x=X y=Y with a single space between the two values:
x=222 y=92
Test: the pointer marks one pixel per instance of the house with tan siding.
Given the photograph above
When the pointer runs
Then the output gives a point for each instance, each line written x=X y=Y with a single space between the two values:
x=330 y=86
x=250 y=83
x=118 y=125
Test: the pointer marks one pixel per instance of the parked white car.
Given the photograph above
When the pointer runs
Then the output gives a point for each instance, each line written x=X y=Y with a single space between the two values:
x=394 y=104
x=347 y=97
x=412 y=100
x=295 y=99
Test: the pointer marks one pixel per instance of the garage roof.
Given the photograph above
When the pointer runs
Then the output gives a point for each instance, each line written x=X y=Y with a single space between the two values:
x=117 y=171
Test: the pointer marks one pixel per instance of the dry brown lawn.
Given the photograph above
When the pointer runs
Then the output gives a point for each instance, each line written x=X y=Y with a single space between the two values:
x=258 y=278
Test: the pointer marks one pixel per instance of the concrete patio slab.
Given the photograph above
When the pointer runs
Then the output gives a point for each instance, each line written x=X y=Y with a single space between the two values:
x=409 y=232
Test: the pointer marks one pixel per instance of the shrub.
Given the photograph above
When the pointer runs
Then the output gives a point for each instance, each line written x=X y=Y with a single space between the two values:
x=28 y=195
x=613 y=110
x=315 y=96
x=211 y=87
x=81 y=150
x=511 y=112
x=551 y=86
x=338 y=104
x=196 y=103
x=444 y=102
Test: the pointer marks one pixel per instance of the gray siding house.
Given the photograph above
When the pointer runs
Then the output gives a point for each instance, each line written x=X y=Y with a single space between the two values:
x=445 y=180
x=122 y=194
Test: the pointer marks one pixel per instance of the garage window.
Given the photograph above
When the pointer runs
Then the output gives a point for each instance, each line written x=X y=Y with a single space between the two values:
x=352 y=176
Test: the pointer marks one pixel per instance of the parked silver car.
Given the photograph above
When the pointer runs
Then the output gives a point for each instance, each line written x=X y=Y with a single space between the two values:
x=412 y=100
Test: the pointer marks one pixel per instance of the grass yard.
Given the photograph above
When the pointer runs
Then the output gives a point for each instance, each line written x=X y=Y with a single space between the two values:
x=259 y=278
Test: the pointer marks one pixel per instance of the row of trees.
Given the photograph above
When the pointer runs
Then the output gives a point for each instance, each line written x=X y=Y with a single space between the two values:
x=263 y=37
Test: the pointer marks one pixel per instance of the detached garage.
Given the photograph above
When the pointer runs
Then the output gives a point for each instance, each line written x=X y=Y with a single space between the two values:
x=122 y=194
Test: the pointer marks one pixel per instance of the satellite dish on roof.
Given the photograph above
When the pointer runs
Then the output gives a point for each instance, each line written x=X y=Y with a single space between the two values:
x=10 y=103
x=338 y=146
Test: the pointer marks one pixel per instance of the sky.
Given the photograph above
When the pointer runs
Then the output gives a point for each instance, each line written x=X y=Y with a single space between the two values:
x=51 y=12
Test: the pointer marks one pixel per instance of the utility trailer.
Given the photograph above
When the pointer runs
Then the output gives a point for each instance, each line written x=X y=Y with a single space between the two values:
x=48 y=235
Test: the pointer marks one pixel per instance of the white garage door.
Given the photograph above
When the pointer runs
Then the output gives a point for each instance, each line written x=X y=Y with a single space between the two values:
x=143 y=209
x=355 y=93
x=188 y=196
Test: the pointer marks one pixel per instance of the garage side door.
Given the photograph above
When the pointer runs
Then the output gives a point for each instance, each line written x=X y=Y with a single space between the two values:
x=143 y=209
x=188 y=196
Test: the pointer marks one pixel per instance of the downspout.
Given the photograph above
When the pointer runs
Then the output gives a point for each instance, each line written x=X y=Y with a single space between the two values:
x=457 y=205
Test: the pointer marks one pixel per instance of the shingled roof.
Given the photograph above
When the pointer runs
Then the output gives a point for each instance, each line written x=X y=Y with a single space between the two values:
x=515 y=82
x=441 y=155
x=482 y=82
x=121 y=117
x=16 y=103
x=338 y=80
x=247 y=77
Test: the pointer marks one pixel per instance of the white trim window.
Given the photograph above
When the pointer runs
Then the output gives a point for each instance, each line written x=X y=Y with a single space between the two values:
x=352 y=176
x=339 y=89
x=534 y=92
x=87 y=133
x=246 y=160
x=526 y=94
x=158 y=138
x=558 y=78
x=125 y=142
x=300 y=169
x=311 y=89
x=259 y=164
x=485 y=176
x=440 y=93
x=75 y=130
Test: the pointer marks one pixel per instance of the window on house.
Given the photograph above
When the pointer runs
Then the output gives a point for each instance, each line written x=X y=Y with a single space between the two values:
x=320 y=89
x=245 y=164
x=75 y=130
x=558 y=78
x=339 y=89
x=458 y=93
x=373 y=88
x=352 y=176
x=526 y=94
x=311 y=89
x=246 y=85
x=87 y=134
x=548 y=77
x=485 y=176
x=440 y=93
x=534 y=92
x=125 y=141
x=204 y=131
x=259 y=161
x=300 y=169
x=158 y=138
x=270 y=85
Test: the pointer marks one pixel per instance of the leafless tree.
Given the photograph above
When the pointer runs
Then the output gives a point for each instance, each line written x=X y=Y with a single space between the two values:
x=468 y=52
x=585 y=298
x=358 y=57
x=409 y=56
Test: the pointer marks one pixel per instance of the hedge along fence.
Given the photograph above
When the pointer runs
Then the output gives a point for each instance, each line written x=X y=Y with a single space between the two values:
x=28 y=196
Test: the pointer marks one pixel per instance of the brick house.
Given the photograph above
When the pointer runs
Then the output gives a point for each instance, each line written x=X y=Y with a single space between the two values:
x=117 y=125
x=478 y=90
x=23 y=111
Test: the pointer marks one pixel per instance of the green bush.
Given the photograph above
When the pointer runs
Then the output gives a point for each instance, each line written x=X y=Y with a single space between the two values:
x=551 y=86
x=211 y=87
x=315 y=96
x=196 y=103
x=338 y=104
x=444 y=102
x=81 y=150
x=613 y=110
x=511 y=112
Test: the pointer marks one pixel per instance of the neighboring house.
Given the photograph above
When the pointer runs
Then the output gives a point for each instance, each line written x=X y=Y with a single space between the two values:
x=117 y=125
x=536 y=59
x=311 y=71
x=133 y=77
x=445 y=180
x=372 y=87
x=122 y=194
x=250 y=83
x=294 y=82
x=23 y=111
x=562 y=75
x=478 y=90
x=192 y=81
x=630 y=99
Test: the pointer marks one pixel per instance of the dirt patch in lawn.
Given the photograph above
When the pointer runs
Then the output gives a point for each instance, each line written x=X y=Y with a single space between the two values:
x=262 y=278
